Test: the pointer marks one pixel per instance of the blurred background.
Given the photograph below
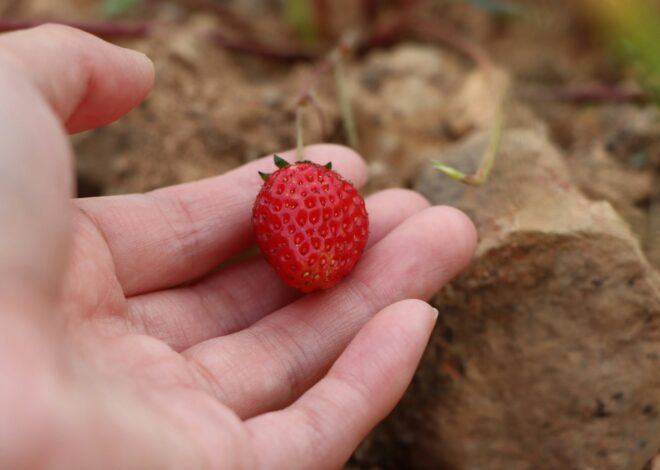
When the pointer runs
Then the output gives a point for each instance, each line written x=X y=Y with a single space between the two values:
x=547 y=352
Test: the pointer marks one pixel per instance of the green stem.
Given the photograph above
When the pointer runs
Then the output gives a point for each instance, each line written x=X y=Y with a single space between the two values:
x=345 y=102
x=480 y=176
x=300 y=145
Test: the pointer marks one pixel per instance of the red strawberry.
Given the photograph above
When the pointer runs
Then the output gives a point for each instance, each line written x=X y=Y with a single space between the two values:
x=311 y=224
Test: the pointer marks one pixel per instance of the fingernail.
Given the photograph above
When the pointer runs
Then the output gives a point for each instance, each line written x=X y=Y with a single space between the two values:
x=141 y=57
x=435 y=314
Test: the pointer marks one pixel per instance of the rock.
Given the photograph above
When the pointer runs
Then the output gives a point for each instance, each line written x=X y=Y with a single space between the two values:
x=631 y=133
x=603 y=177
x=548 y=346
x=616 y=157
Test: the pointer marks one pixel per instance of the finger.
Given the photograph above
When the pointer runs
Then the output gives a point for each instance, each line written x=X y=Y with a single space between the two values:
x=328 y=422
x=87 y=82
x=164 y=238
x=35 y=164
x=236 y=297
x=267 y=365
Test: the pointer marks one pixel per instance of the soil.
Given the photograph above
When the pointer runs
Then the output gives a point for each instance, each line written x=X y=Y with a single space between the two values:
x=213 y=109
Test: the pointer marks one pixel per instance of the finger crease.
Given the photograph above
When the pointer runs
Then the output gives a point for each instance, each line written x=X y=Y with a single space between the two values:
x=188 y=238
x=231 y=307
x=207 y=378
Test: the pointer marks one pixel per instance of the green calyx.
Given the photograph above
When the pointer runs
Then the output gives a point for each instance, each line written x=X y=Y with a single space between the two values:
x=280 y=162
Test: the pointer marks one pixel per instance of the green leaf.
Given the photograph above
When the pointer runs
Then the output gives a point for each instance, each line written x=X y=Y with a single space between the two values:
x=118 y=7
x=453 y=173
x=487 y=160
x=280 y=162
x=328 y=165
x=264 y=176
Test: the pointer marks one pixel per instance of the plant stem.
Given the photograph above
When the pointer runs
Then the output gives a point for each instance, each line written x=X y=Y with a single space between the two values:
x=267 y=51
x=345 y=102
x=387 y=31
x=437 y=31
x=300 y=146
x=599 y=94
x=308 y=96
x=480 y=176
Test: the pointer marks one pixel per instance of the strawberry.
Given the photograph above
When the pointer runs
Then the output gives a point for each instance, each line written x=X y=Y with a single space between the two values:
x=311 y=224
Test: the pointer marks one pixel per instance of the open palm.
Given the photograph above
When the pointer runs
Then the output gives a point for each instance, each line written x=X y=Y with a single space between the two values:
x=122 y=345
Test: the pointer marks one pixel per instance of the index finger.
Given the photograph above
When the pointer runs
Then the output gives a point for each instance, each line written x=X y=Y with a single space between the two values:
x=49 y=76
x=87 y=82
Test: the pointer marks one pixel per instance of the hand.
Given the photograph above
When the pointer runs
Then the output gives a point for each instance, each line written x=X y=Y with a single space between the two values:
x=122 y=347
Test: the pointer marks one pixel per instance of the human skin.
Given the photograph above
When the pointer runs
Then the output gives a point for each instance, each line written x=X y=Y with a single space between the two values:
x=120 y=344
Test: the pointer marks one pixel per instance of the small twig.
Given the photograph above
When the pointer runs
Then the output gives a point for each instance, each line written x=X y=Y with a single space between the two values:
x=599 y=94
x=266 y=51
x=437 y=31
x=300 y=145
x=105 y=29
x=480 y=176
x=300 y=114
x=308 y=94
x=387 y=31
x=247 y=41
x=389 y=28
x=319 y=71
x=345 y=100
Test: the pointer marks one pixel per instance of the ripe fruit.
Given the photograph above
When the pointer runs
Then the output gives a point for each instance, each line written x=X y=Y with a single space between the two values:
x=311 y=224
